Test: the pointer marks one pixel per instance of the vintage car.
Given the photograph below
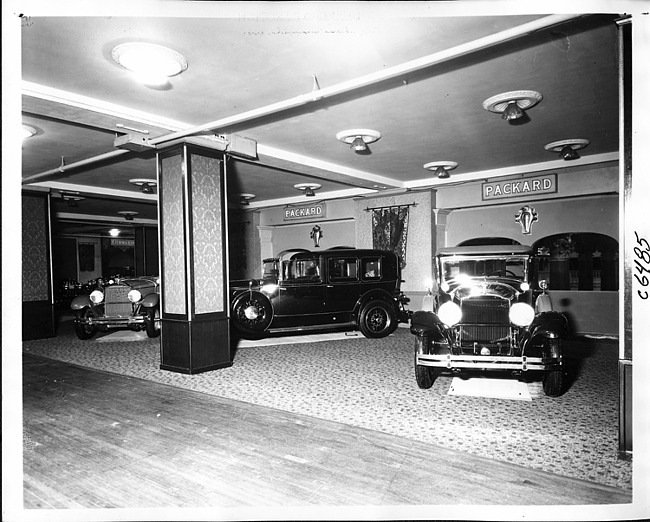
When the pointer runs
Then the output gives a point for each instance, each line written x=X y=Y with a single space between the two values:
x=119 y=302
x=301 y=290
x=487 y=316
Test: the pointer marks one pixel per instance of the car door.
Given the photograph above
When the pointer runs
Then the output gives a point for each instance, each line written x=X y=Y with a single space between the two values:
x=343 y=283
x=302 y=291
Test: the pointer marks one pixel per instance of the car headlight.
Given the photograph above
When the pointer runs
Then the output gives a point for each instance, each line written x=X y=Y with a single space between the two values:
x=134 y=295
x=543 y=284
x=449 y=313
x=521 y=314
x=525 y=287
x=96 y=296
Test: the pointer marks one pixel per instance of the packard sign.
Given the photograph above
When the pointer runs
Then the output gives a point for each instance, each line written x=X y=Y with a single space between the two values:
x=520 y=188
x=316 y=210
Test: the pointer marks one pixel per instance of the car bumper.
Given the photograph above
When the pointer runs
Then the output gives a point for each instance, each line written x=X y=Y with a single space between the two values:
x=113 y=322
x=491 y=362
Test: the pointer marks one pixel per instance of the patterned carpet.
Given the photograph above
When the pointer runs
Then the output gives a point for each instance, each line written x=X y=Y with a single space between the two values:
x=370 y=383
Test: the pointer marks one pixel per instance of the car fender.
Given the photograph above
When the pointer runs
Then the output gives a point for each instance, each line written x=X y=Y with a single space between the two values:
x=150 y=300
x=427 y=323
x=80 y=302
x=547 y=325
x=375 y=294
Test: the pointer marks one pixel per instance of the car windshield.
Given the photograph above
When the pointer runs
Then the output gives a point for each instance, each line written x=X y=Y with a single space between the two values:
x=465 y=267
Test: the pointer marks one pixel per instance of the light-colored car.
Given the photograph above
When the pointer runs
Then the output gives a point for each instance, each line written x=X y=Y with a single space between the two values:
x=128 y=302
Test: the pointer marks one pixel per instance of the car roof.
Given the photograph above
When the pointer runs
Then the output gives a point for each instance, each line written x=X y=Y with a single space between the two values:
x=299 y=253
x=486 y=250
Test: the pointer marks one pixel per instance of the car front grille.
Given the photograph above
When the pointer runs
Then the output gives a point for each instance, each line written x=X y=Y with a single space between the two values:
x=485 y=321
x=116 y=301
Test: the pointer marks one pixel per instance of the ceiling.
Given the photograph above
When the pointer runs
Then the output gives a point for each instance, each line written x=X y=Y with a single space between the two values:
x=291 y=82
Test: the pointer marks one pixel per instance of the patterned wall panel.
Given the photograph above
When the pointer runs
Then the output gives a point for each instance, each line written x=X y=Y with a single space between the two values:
x=173 y=251
x=35 y=251
x=207 y=232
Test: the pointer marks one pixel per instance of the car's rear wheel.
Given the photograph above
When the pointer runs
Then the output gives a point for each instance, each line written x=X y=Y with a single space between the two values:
x=553 y=381
x=84 y=331
x=252 y=314
x=377 y=319
x=424 y=375
x=152 y=322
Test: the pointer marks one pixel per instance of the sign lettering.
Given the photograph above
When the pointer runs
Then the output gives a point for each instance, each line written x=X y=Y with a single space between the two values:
x=303 y=212
x=524 y=187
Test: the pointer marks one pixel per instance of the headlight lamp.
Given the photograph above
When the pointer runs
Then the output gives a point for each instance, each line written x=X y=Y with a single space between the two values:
x=525 y=287
x=96 y=296
x=449 y=313
x=134 y=295
x=444 y=286
x=521 y=314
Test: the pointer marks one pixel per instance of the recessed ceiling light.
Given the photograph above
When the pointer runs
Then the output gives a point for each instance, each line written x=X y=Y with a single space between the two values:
x=152 y=64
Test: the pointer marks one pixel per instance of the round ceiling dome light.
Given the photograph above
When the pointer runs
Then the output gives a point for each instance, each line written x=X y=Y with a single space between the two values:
x=28 y=131
x=567 y=148
x=152 y=64
x=511 y=105
x=441 y=168
x=358 y=139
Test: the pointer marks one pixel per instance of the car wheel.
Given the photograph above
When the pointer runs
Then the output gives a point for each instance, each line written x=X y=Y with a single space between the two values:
x=251 y=315
x=84 y=331
x=152 y=322
x=377 y=319
x=553 y=380
x=424 y=375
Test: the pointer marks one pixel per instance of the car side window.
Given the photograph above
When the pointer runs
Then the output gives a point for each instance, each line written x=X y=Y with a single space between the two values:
x=343 y=269
x=370 y=268
x=302 y=269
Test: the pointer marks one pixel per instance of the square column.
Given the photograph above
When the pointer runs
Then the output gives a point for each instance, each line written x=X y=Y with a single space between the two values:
x=192 y=217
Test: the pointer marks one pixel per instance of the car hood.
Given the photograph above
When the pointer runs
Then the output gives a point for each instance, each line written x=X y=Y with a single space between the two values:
x=139 y=282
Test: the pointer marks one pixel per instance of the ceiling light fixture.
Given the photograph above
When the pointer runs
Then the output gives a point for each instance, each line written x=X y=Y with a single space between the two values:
x=441 y=168
x=73 y=201
x=245 y=198
x=128 y=214
x=512 y=104
x=152 y=64
x=308 y=188
x=358 y=139
x=567 y=148
x=146 y=185
x=28 y=131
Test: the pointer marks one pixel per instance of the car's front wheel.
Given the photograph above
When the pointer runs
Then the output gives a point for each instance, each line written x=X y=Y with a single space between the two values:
x=152 y=322
x=84 y=331
x=424 y=375
x=251 y=315
x=377 y=319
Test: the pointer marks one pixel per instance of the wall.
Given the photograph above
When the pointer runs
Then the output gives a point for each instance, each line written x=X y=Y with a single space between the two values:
x=85 y=276
x=591 y=214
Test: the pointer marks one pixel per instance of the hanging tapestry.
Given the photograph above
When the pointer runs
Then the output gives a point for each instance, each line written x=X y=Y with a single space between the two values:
x=389 y=230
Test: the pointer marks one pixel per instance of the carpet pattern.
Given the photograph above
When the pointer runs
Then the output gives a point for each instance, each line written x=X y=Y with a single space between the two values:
x=370 y=383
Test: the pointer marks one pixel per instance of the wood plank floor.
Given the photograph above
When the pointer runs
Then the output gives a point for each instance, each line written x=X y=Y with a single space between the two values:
x=99 y=440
